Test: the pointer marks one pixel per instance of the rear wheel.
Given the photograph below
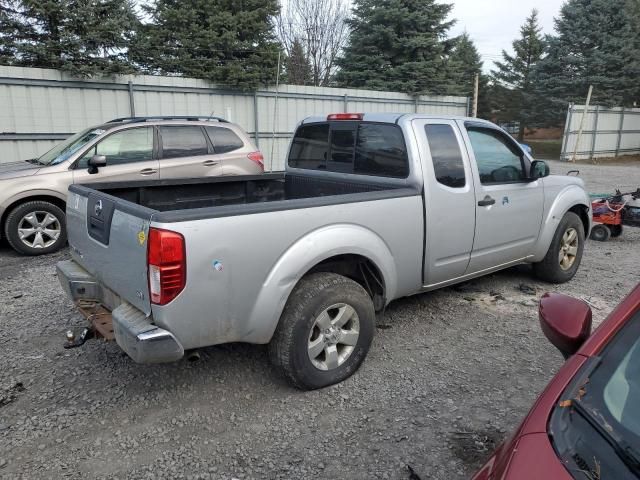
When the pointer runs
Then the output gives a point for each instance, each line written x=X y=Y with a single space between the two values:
x=36 y=228
x=325 y=331
x=600 y=233
x=565 y=252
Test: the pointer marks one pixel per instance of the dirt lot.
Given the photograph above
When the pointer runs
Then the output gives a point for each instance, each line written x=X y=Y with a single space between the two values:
x=448 y=375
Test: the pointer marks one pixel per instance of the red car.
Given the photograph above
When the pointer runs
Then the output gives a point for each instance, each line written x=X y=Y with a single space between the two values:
x=586 y=423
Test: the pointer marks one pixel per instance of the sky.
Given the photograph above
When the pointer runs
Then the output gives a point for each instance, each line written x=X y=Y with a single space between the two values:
x=494 y=24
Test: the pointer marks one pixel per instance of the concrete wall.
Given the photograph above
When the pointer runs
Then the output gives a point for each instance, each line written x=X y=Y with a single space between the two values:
x=40 y=107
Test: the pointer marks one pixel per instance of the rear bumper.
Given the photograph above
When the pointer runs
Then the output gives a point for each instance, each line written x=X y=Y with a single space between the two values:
x=134 y=332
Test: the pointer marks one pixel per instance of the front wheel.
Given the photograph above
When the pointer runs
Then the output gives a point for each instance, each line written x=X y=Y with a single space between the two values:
x=325 y=331
x=36 y=228
x=565 y=252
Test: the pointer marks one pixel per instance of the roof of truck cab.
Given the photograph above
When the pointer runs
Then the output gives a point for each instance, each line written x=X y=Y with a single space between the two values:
x=395 y=117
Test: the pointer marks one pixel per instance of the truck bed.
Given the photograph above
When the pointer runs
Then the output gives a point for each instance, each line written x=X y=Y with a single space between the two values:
x=200 y=193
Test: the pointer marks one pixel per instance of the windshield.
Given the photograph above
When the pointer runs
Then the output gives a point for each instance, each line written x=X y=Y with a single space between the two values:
x=596 y=428
x=71 y=145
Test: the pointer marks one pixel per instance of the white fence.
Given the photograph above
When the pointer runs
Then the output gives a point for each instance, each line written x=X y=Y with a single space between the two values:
x=40 y=107
x=606 y=132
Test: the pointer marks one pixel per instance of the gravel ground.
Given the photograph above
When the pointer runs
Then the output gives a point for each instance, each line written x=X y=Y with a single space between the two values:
x=449 y=374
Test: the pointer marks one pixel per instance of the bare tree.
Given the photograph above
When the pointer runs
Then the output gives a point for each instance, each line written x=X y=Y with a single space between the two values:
x=321 y=27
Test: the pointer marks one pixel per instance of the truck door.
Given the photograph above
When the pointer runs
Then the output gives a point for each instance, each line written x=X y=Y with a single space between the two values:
x=449 y=200
x=508 y=206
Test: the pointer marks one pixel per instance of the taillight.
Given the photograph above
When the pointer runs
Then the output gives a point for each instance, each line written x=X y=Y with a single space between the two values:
x=258 y=158
x=167 y=265
x=345 y=116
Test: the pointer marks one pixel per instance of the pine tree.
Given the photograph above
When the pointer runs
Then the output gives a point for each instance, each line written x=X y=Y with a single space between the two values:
x=597 y=43
x=100 y=33
x=515 y=72
x=83 y=38
x=223 y=41
x=463 y=63
x=298 y=67
x=396 y=45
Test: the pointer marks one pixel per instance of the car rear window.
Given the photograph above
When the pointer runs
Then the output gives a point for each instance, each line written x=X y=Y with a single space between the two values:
x=224 y=140
x=187 y=141
x=362 y=148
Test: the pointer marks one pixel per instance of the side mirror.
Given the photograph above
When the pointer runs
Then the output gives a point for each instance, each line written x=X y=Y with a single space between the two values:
x=539 y=169
x=565 y=321
x=95 y=162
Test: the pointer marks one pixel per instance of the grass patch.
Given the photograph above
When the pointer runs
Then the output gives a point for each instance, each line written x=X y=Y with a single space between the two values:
x=549 y=149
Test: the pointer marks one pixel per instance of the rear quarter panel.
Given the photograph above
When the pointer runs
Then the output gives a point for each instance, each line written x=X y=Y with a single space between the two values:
x=241 y=269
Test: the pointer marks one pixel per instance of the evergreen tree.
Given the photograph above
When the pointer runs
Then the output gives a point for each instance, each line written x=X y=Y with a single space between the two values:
x=463 y=63
x=515 y=73
x=223 y=41
x=396 y=45
x=100 y=33
x=298 y=67
x=78 y=36
x=597 y=43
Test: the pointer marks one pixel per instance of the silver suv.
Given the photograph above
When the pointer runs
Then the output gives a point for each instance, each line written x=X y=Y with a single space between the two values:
x=33 y=194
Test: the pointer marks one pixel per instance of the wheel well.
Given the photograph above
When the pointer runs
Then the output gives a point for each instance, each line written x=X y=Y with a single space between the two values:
x=359 y=269
x=42 y=198
x=583 y=212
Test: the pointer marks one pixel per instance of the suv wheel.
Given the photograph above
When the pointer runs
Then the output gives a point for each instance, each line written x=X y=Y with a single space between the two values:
x=36 y=228
x=325 y=331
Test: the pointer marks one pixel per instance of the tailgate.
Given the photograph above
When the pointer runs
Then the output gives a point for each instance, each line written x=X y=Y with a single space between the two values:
x=108 y=237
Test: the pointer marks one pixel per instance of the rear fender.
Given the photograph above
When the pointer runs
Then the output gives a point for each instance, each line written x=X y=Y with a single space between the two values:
x=302 y=256
x=568 y=198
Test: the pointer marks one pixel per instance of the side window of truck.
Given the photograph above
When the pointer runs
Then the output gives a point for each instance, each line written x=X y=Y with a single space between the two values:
x=224 y=140
x=187 y=141
x=498 y=160
x=126 y=146
x=446 y=155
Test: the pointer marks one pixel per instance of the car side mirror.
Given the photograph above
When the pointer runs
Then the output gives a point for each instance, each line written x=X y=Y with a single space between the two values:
x=565 y=321
x=539 y=169
x=95 y=162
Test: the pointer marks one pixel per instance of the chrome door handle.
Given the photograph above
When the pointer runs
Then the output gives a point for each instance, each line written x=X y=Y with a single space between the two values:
x=210 y=163
x=148 y=171
x=486 y=201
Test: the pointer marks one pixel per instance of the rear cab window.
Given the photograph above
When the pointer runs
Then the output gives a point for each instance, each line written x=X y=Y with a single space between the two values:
x=361 y=148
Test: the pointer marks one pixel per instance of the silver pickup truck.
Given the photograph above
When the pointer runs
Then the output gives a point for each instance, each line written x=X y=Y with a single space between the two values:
x=370 y=208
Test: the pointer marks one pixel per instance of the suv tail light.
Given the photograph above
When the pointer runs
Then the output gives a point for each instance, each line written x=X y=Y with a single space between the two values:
x=345 y=116
x=167 y=265
x=258 y=158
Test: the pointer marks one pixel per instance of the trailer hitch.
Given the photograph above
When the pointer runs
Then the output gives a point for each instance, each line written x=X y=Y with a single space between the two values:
x=74 y=341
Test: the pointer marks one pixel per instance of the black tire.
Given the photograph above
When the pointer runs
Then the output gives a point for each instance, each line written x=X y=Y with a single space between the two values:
x=550 y=269
x=600 y=233
x=15 y=221
x=289 y=347
x=616 y=230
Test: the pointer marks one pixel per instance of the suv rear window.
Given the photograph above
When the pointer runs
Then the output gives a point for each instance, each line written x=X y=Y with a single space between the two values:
x=186 y=141
x=351 y=147
x=224 y=140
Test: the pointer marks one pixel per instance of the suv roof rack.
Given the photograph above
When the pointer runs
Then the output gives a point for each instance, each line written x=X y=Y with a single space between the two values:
x=190 y=118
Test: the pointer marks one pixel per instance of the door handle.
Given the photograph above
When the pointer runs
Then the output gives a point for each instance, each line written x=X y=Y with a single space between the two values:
x=148 y=171
x=210 y=163
x=486 y=201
